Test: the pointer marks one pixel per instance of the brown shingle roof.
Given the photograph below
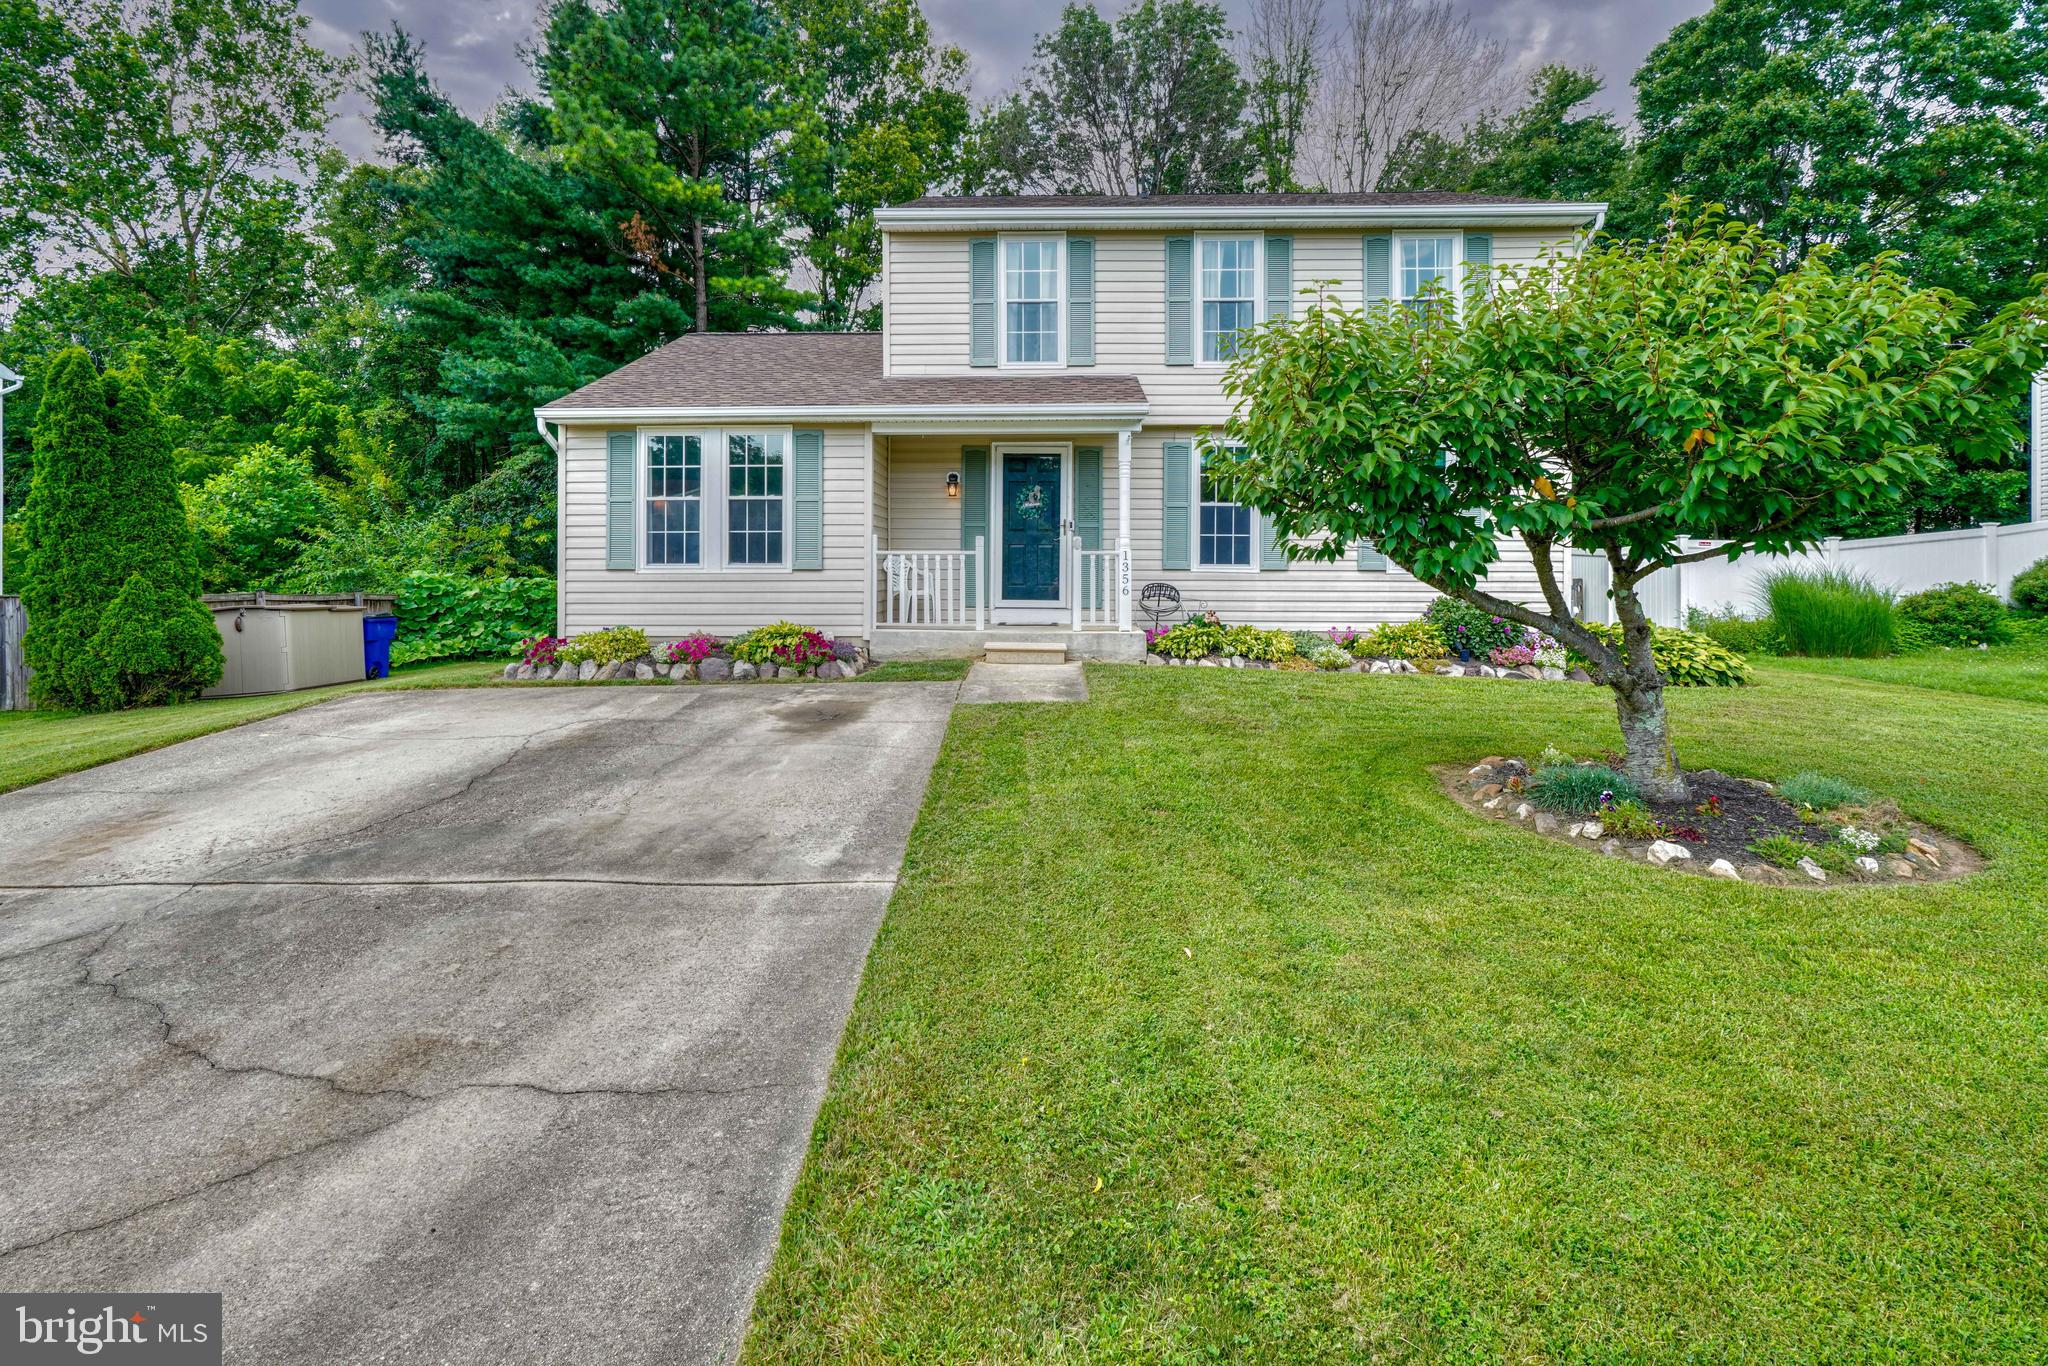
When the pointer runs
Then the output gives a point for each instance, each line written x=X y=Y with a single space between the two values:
x=1272 y=200
x=819 y=369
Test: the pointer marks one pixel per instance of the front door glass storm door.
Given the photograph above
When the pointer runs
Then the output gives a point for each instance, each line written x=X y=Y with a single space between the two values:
x=1031 y=528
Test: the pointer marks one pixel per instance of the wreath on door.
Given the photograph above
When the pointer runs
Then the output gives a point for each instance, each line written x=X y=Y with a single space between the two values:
x=1030 y=504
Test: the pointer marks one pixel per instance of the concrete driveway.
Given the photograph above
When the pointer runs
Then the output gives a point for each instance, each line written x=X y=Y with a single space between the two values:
x=446 y=1026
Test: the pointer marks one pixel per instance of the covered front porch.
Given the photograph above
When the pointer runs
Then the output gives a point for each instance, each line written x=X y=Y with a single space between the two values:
x=1000 y=531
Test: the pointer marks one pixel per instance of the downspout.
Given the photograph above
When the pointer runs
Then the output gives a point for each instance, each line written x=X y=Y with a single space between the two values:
x=555 y=443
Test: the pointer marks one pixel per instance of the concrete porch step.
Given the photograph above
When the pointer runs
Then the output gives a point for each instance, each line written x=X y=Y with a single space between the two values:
x=1003 y=650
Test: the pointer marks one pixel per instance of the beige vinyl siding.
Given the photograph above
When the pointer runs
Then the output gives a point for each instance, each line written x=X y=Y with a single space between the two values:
x=667 y=603
x=927 y=302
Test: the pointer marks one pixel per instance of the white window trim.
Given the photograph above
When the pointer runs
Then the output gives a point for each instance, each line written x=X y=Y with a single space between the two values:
x=1457 y=278
x=713 y=528
x=1252 y=566
x=1258 y=241
x=1059 y=303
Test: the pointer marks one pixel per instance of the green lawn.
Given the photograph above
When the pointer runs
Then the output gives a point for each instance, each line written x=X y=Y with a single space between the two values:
x=1202 y=1026
x=37 y=745
x=2017 y=671
x=915 y=671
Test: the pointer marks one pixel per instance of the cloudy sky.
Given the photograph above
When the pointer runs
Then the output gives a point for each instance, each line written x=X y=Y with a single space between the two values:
x=473 y=45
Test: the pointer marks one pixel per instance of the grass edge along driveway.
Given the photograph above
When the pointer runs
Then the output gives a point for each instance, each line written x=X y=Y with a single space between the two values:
x=1201 y=1025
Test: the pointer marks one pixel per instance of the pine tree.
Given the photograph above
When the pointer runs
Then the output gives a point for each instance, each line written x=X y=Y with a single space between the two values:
x=69 y=578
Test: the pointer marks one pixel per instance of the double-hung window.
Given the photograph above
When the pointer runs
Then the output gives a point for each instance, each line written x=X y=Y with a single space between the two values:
x=675 y=499
x=1420 y=262
x=1031 y=300
x=755 y=464
x=1223 y=530
x=1229 y=274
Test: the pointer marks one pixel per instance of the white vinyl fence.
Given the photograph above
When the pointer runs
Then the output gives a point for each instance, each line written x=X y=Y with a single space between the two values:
x=1989 y=554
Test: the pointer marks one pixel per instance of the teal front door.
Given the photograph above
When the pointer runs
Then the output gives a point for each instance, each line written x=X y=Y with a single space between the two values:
x=1031 y=528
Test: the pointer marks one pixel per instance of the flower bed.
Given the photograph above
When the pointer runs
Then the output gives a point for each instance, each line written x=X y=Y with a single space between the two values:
x=782 y=650
x=1732 y=828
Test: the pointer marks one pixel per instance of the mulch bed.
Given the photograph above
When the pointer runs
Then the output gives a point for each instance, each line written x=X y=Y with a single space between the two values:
x=1749 y=812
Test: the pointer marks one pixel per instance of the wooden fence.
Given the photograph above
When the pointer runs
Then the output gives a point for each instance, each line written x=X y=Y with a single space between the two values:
x=13 y=673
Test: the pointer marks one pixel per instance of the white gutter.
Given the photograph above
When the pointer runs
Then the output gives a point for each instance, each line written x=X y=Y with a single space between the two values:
x=955 y=218
x=858 y=412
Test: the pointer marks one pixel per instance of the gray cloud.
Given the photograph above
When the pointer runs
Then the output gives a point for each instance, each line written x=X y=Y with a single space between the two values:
x=473 y=49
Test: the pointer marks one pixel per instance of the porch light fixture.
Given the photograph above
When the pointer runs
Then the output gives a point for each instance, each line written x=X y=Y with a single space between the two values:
x=952 y=483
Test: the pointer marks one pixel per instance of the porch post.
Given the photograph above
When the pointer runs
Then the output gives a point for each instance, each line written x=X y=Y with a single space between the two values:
x=1123 y=531
x=871 y=544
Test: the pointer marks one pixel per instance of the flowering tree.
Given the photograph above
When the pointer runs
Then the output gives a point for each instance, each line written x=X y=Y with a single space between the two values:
x=1622 y=401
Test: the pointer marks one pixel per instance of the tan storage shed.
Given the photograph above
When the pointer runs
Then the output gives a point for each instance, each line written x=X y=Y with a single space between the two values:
x=281 y=642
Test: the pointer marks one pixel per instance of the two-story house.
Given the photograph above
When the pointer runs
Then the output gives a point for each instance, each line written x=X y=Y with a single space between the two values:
x=1019 y=450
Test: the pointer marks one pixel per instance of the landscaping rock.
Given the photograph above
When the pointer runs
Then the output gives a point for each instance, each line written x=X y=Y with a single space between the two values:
x=1151 y=658
x=1612 y=848
x=1546 y=824
x=1664 y=851
x=1379 y=666
x=1920 y=846
x=1898 y=867
x=1579 y=676
x=1721 y=867
x=741 y=669
x=643 y=672
x=1531 y=672
x=1765 y=873
x=1209 y=662
x=512 y=669
x=714 y=670
x=1813 y=870
x=586 y=671
x=1489 y=790
x=831 y=668
x=1493 y=803
x=1512 y=768
x=523 y=673
x=1553 y=675
x=1869 y=864
x=768 y=670
x=1524 y=811
x=1449 y=670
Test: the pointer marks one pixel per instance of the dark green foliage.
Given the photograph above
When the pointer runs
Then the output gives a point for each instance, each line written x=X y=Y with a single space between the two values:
x=1538 y=151
x=1467 y=628
x=1958 y=614
x=255 y=518
x=1830 y=612
x=1150 y=103
x=1581 y=789
x=2030 y=589
x=71 y=574
x=1686 y=659
x=447 y=616
x=114 y=612
x=156 y=644
x=1822 y=792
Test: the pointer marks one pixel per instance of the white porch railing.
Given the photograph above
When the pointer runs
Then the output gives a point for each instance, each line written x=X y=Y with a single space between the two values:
x=929 y=589
x=1101 y=587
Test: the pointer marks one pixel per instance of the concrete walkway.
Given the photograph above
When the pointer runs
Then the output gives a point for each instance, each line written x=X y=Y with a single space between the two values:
x=1024 y=683
x=446 y=1026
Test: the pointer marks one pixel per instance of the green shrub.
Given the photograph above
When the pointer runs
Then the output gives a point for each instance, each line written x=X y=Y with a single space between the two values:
x=1317 y=649
x=112 y=586
x=1830 y=612
x=1579 y=788
x=1686 y=660
x=2030 y=589
x=255 y=518
x=1822 y=793
x=1190 y=639
x=1783 y=850
x=1418 y=642
x=1253 y=643
x=1466 y=627
x=1629 y=819
x=451 y=616
x=782 y=643
x=1732 y=631
x=615 y=645
x=1958 y=614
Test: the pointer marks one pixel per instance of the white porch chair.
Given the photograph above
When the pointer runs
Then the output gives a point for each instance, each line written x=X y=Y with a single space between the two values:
x=909 y=589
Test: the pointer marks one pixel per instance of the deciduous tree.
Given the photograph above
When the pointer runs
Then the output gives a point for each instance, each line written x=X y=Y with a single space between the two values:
x=1627 y=401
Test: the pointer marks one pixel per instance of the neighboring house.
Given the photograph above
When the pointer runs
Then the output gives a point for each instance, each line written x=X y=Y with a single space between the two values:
x=1019 y=448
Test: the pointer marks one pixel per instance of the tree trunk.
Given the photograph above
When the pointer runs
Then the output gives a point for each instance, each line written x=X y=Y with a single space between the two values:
x=703 y=274
x=1649 y=760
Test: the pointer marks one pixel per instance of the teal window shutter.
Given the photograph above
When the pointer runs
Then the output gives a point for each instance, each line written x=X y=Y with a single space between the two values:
x=1379 y=267
x=1080 y=301
x=1272 y=551
x=619 y=485
x=974 y=513
x=808 y=501
x=1478 y=256
x=1279 y=277
x=1370 y=561
x=1088 y=496
x=981 y=301
x=1176 y=538
x=1180 y=302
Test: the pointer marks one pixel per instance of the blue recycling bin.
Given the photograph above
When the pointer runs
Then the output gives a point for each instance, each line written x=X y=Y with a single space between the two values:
x=378 y=633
